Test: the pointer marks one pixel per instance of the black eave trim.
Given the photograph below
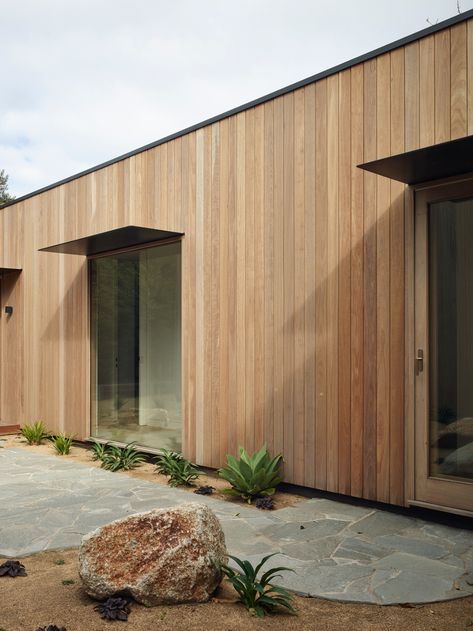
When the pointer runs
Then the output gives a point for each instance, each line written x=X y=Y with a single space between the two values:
x=461 y=17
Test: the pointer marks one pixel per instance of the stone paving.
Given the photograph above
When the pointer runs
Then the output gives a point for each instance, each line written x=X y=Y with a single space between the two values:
x=338 y=551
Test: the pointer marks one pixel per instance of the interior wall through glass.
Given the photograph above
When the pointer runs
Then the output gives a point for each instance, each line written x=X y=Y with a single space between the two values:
x=136 y=346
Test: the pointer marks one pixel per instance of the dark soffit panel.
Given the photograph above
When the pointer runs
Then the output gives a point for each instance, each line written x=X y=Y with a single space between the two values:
x=112 y=240
x=9 y=270
x=446 y=159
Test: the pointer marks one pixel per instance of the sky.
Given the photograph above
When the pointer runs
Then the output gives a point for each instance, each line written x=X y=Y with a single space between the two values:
x=85 y=81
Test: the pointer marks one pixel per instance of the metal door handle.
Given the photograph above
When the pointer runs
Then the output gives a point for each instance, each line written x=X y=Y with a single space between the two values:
x=420 y=360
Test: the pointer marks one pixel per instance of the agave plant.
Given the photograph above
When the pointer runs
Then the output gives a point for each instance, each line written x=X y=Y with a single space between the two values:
x=12 y=568
x=179 y=470
x=98 y=450
x=122 y=458
x=114 y=608
x=62 y=443
x=35 y=433
x=252 y=476
x=258 y=595
x=166 y=461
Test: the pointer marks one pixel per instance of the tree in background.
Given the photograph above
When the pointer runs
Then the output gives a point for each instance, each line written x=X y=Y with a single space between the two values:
x=4 y=194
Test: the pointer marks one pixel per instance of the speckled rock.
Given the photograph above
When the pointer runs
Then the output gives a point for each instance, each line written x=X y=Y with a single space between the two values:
x=165 y=556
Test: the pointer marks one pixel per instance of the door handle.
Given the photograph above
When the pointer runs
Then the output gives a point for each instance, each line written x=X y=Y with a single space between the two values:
x=419 y=360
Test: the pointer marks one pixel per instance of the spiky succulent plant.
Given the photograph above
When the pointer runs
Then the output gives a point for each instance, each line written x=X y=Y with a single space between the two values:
x=12 y=568
x=205 y=490
x=265 y=503
x=114 y=608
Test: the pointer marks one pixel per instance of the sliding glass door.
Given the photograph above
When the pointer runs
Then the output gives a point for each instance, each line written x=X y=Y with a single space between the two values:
x=136 y=346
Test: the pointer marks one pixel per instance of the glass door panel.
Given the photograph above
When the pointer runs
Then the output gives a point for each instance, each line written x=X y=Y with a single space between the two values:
x=451 y=338
x=136 y=346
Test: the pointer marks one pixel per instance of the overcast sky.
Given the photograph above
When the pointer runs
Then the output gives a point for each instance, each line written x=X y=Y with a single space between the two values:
x=85 y=81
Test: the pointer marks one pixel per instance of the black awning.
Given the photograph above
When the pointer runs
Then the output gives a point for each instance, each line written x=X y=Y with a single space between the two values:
x=111 y=240
x=454 y=157
x=9 y=270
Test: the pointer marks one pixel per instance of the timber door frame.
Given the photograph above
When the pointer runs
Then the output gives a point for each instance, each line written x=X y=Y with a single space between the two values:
x=420 y=488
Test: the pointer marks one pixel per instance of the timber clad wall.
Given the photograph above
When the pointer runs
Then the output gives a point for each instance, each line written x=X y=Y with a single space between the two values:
x=293 y=270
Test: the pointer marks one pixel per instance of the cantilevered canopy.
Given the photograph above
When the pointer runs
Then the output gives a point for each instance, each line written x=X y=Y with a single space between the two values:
x=454 y=157
x=9 y=270
x=112 y=240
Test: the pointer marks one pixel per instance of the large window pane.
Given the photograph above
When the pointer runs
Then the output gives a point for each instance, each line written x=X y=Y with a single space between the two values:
x=136 y=347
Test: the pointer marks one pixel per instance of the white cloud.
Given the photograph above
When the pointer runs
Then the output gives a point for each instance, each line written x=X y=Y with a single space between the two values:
x=85 y=81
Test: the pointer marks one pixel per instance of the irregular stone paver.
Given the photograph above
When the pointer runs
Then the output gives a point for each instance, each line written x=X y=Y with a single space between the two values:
x=337 y=550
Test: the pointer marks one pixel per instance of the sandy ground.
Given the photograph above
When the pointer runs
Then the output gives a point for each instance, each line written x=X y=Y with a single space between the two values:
x=145 y=472
x=47 y=596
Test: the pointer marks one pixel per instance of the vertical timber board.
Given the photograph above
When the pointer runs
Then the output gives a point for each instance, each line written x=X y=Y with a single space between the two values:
x=208 y=297
x=321 y=273
x=458 y=102
x=223 y=385
x=469 y=75
x=309 y=281
x=288 y=283
x=427 y=91
x=299 y=431
x=332 y=282
x=240 y=384
x=382 y=280
x=396 y=285
x=411 y=96
x=356 y=287
x=249 y=296
x=278 y=276
x=259 y=260
x=344 y=284
x=231 y=438
x=214 y=437
x=369 y=284
x=442 y=74
x=269 y=274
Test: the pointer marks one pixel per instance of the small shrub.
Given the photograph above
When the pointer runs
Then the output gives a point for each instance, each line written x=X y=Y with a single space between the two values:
x=51 y=627
x=68 y=581
x=265 y=503
x=179 y=470
x=258 y=595
x=252 y=476
x=166 y=461
x=114 y=609
x=59 y=562
x=12 y=568
x=34 y=434
x=205 y=490
x=98 y=450
x=62 y=443
x=122 y=458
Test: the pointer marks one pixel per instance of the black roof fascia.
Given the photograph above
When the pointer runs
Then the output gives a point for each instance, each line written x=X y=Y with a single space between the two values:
x=461 y=17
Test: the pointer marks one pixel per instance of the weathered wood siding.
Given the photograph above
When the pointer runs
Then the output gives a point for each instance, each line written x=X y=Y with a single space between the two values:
x=293 y=270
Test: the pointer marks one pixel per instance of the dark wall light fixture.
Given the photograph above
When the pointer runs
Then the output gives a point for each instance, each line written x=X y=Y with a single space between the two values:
x=8 y=310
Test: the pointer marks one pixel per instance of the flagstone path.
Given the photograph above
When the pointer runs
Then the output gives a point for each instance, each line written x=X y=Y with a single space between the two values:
x=338 y=551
